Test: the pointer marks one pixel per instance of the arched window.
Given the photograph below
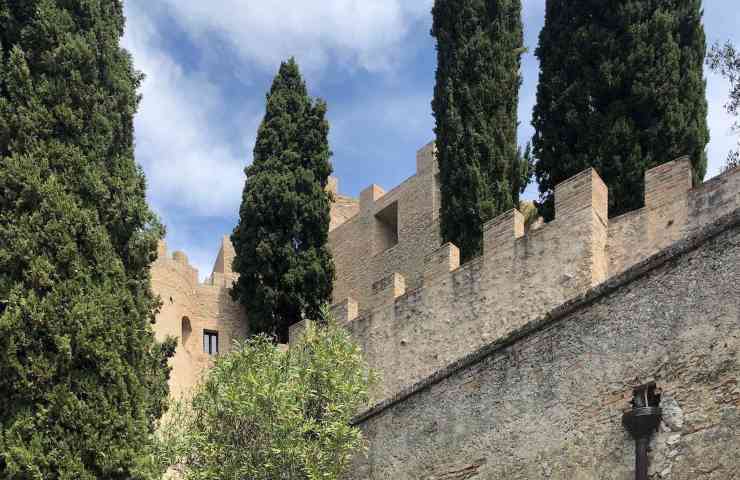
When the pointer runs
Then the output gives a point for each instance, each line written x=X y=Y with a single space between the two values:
x=187 y=329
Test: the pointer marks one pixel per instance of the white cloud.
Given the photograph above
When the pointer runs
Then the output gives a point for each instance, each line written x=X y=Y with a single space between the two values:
x=720 y=124
x=182 y=144
x=183 y=150
x=354 y=33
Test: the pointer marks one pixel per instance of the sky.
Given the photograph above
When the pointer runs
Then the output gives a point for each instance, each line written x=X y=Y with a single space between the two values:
x=209 y=64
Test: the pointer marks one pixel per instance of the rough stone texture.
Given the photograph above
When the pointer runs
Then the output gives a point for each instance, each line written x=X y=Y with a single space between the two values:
x=362 y=250
x=190 y=307
x=443 y=316
x=672 y=210
x=343 y=207
x=546 y=401
x=410 y=304
x=517 y=278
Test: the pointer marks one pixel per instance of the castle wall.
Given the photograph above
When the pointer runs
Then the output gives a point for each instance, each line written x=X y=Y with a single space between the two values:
x=189 y=308
x=547 y=400
x=414 y=332
x=410 y=327
x=343 y=207
x=364 y=247
x=405 y=297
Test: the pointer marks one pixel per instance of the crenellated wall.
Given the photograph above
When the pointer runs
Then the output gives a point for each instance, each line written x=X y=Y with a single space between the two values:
x=405 y=297
x=414 y=309
x=190 y=307
x=547 y=400
x=391 y=232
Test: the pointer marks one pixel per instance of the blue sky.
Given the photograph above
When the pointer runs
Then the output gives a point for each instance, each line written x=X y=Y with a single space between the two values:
x=209 y=64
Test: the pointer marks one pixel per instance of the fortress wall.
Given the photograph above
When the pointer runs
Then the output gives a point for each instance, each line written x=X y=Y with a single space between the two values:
x=672 y=211
x=411 y=305
x=343 y=207
x=547 y=401
x=413 y=332
x=364 y=247
x=443 y=312
x=663 y=220
x=201 y=306
x=715 y=197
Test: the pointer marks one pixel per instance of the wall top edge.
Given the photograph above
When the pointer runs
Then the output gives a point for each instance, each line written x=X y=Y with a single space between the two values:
x=691 y=242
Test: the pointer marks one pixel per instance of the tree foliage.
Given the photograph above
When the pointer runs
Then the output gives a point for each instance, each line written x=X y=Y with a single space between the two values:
x=265 y=413
x=82 y=380
x=622 y=90
x=725 y=60
x=285 y=267
x=479 y=49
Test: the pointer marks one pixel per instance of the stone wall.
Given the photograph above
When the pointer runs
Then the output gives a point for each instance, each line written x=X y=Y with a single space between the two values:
x=409 y=302
x=672 y=210
x=343 y=207
x=420 y=315
x=391 y=232
x=546 y=401
x=189 y=308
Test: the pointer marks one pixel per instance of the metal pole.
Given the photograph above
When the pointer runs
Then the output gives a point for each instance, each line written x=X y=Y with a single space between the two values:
x=641 y=421
x=641 y=458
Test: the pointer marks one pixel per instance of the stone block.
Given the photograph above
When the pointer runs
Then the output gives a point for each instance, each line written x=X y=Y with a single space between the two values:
x=585 y=190
x=389 y=288
x=297 y=330
x=442 y=261
x=369 y=196
x=426 y=159
x=332 y=186
x=668 y=183
x=345 y=311
x=500 y=233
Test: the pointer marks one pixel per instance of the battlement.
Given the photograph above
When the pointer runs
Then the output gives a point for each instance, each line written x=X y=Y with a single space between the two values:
x=415 y=309
x=191 y=309
x=406 y=298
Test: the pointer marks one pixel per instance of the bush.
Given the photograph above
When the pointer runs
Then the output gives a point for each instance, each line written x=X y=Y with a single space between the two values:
x=263 y=412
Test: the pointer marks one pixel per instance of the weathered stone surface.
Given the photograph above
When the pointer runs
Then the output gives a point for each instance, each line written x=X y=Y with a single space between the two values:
x=438 y=311
x=190 y=307
x=547 y=401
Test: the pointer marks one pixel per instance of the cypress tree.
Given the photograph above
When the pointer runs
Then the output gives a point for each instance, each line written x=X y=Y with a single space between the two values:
x=725 y=60
x=82 y=380
x=622 y=90
x=285 y=268
x=479 y=48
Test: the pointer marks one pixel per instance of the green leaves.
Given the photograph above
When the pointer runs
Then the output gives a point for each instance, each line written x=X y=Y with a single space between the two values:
x=621 y=90
x=285 y=267
x=479 y=48
x=725 y=60
x=264 y=413
x=82 y=380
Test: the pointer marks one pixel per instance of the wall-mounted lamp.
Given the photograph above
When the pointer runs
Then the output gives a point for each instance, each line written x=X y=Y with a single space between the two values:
x=641 y=421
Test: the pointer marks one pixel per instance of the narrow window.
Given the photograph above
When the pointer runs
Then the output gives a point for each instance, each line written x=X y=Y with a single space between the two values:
x=210 y=342
x=437 y=212
x=186 y=328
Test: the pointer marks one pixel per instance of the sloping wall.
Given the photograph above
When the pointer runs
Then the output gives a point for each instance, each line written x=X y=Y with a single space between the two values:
x=547 y=400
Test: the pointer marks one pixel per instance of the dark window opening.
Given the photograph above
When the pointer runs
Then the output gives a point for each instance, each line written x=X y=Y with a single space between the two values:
x=386 y=222
x=186 y=329
x=210 y=342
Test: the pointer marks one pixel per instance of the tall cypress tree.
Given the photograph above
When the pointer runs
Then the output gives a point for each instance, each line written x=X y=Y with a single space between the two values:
x=82 y=380
x=479 y=48
x=285 y=268
x=622 y=90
